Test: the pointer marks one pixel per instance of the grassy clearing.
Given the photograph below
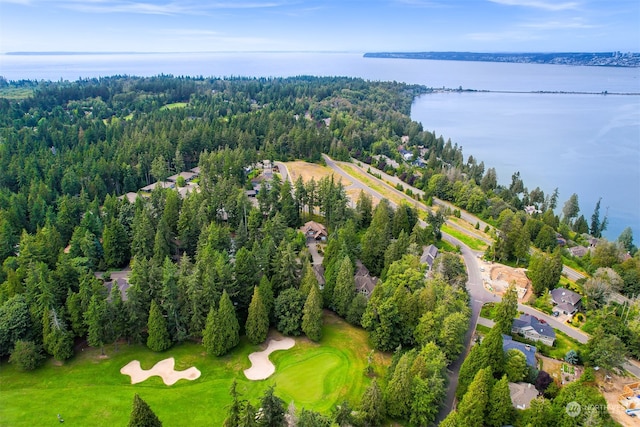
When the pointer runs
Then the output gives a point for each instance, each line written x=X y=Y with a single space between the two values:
x=372 y=183
x=16 y=92
x=89 y=390
x=472 y=242
x=174 y=105
x=488 y=311
x=470 y=228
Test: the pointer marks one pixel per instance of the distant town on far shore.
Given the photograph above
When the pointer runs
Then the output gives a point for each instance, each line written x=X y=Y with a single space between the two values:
x=602 y=59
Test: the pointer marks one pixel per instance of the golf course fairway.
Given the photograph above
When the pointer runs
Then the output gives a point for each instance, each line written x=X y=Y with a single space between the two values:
x=90 y=390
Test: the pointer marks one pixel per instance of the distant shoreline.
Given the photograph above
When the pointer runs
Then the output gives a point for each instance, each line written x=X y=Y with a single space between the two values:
x=541 y=92
x=593 y=59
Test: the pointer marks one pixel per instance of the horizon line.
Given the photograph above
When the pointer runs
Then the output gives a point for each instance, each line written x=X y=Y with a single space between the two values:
x=72 y=52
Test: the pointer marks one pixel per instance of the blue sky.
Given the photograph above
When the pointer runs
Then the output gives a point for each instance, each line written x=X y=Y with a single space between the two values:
x=334 y=25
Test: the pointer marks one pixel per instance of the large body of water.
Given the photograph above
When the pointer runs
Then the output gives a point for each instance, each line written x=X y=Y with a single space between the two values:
x=584 y=144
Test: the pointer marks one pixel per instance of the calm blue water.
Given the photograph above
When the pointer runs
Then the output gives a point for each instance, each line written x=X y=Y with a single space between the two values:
x=584 y=144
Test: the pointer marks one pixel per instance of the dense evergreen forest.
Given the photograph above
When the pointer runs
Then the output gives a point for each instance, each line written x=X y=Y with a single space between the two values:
x=211 y=265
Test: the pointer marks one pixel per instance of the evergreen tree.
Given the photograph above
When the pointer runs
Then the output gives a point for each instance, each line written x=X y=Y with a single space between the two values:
x=234 y=413
x=312 y=315
x=492 y=354
x=475 y=404
x=266 y=291
x=115 y=244
x=271 y=409
x=257 y=326
x=211 y=336
x=372 y=407
x=142 y=415
x=95 y=319
x=507 y=309
x=309 y=279
x=398 y=394
x=515 y=366
x=345 y=288
x=159 y=339
x=470 y=366
x=228 y=322
x=357 y=309
x=376 y=239
x=501 y=412
x=247 y=277
x=428 y=395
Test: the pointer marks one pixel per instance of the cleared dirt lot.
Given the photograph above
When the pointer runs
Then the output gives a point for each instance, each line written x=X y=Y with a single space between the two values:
x=312 y=170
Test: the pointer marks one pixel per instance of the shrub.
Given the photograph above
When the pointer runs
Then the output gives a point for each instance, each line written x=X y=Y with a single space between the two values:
x=26 y=355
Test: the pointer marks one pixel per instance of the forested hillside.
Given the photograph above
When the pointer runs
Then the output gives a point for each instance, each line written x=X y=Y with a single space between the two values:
x=210 y=265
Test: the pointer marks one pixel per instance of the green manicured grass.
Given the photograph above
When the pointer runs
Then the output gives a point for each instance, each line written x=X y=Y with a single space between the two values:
x=174 y=105
x=483 y=330
x=89 y=390
x=488 y=310
x=473 y=243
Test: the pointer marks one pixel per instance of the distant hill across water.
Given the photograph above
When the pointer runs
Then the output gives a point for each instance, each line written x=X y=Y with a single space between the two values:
x=601 y=59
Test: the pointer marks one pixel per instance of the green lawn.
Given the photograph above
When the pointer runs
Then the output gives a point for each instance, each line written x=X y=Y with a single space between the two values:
x=89 y=390
x=174 y=105
x=472 y=242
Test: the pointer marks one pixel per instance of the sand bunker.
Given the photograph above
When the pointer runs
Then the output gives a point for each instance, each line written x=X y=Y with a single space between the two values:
x=164 y=369
x=261 y=367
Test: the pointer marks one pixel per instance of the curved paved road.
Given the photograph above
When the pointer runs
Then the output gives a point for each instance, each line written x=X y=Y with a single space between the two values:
x=478 y=295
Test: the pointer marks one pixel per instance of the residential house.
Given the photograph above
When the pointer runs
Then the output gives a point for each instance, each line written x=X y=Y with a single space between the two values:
x=522 y=394
x=531 y=209
x=429 y=256
x=130 y=196
x=162 y=184
x=578 y=251
x=533 y=329
x=406 y=155
x=188 y=176
x=567 y=302
x=196 y=171
x=529 y=351
x=365 y=282
x=314 y=231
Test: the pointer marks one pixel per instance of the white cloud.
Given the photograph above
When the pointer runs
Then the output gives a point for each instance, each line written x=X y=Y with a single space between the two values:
x=546 y=5
x=423 y=3
x=575 y=23
x=150 y=7
x=498 y=36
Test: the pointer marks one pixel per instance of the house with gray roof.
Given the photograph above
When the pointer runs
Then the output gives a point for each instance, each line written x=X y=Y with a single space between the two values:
x=533 y=329
x=429 y=255
x=529 y=351
x=365 y=282
x=522 y=394
x=566 y=301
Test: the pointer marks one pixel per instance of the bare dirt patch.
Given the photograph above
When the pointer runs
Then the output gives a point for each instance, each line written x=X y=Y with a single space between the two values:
x=611 y=388
x=498 y=277
x=165 y=369
x=312 y=170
